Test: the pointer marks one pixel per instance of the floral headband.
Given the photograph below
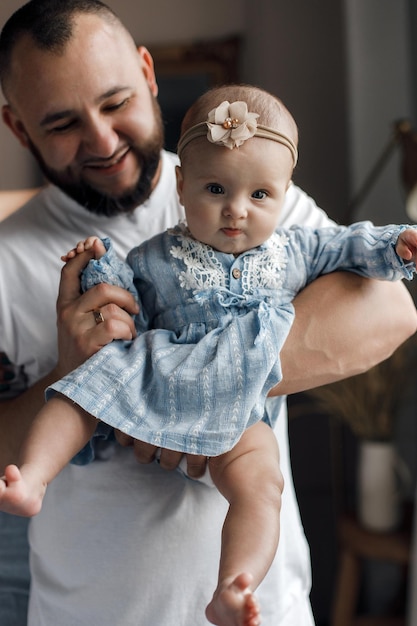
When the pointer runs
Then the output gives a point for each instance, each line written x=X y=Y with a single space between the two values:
x=230 y=125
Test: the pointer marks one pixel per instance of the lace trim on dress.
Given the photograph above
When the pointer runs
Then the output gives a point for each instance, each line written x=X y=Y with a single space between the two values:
x=203 y=269
x=262 y=268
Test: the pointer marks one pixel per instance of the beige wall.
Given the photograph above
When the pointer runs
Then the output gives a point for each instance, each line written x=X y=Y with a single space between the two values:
x=165 y=21
x=379 y=63
x=295 y=53
x=150 y=22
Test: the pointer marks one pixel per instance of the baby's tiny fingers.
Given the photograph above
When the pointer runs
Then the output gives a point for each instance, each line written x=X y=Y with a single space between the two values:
x=69 y=255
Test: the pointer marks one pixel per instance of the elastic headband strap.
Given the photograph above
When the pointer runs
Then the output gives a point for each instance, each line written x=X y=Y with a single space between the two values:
x=232 y=132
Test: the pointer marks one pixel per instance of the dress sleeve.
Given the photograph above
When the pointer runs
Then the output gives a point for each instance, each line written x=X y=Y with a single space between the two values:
x=362 y=248
x=112 y=270
x=108 y=269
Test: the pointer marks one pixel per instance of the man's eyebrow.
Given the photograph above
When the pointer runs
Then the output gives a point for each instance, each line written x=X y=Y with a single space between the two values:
x=51 y=118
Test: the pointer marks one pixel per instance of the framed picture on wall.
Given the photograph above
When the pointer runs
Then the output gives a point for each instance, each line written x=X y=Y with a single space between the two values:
x=186 y=70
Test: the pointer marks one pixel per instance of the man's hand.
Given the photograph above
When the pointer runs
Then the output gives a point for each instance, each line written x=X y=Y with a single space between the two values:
x=80 y=336
x=81 y=333
x=168 y=459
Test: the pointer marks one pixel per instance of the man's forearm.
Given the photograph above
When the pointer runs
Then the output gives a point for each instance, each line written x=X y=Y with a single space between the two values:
x=344 y=325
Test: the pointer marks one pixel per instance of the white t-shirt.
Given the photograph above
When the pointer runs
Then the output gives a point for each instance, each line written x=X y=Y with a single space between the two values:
x=118 y=543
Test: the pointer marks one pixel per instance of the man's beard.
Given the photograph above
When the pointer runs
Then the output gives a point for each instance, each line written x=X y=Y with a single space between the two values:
x=100 y=203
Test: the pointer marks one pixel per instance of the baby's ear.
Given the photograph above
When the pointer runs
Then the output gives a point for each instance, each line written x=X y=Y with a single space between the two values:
x=180 y=181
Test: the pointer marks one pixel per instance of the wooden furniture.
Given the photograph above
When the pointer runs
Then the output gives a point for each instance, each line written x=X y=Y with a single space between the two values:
x=356 y=545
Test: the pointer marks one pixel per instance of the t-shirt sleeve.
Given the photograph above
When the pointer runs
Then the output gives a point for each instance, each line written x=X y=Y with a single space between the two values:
x=299 y=208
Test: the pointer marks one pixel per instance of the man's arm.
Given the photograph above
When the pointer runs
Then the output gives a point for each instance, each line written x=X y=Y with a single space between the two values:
x=78 y=338
x=344 y=325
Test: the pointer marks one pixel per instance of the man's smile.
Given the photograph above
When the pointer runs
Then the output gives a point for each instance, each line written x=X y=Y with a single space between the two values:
x=109 y=166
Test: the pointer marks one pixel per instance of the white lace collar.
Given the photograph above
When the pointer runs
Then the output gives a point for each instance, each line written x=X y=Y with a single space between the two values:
x=205 y=268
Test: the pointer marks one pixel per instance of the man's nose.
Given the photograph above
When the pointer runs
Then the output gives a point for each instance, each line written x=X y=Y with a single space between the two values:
x=100 y=139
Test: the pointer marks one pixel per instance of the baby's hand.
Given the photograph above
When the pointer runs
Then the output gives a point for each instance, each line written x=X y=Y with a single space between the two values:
x=406 y=246
x=93 y=244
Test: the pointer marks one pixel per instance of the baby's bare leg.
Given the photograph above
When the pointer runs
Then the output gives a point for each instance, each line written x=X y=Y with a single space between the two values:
x=58 y=432
x=250 y=479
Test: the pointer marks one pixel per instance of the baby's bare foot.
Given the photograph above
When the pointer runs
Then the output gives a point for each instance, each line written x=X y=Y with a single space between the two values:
x=234 y=604
x=18 y=495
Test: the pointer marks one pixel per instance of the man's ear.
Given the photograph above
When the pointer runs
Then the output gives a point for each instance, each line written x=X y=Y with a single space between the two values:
x=148 y=69
x=16 y=126
x=180 y=182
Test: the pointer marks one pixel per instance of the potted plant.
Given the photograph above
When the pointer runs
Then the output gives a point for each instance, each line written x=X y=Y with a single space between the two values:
x=369 y=405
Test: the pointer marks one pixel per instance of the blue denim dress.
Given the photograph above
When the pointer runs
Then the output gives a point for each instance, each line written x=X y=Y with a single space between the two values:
x=210 y=330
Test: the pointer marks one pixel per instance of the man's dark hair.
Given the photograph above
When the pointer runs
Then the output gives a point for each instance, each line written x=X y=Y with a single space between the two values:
x=49 y=23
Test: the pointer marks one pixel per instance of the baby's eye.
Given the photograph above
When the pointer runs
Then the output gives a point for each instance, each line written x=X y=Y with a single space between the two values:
x=259 y=194
x=215 y=188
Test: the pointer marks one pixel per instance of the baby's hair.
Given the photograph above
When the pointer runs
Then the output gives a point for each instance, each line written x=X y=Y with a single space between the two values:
x=272 y=112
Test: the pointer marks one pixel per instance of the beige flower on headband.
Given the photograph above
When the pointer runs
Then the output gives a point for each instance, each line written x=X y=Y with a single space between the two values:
x=231 y=124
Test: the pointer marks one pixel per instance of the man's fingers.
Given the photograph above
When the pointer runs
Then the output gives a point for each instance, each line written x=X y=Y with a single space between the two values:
x=169 y=459
x=109 y=296
x=104 y=310
x=144 y=452
x=123 y=439
x=120 y=326
x=96 y=297
x=69 y=287
x=196 y=465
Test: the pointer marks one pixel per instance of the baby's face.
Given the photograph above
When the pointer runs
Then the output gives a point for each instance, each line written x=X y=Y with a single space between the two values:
x=233 y=198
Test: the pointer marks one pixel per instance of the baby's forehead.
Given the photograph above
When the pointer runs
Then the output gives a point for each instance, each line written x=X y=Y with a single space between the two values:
x=259 y=158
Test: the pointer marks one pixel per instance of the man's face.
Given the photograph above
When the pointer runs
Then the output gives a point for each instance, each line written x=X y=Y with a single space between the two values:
x=89 y=115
